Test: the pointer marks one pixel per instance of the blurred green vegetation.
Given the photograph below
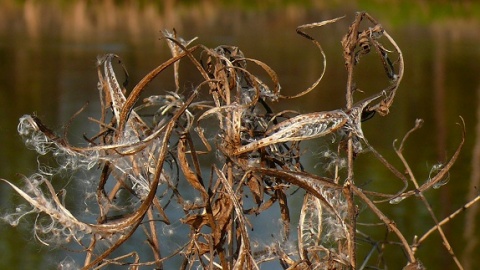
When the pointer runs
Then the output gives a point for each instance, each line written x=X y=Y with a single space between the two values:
x=399 y=12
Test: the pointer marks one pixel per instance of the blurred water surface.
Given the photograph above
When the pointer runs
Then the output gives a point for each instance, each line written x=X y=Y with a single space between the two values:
x=48 y=52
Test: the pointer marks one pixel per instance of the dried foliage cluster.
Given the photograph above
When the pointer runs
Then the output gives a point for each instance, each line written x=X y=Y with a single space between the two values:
x=149 y=163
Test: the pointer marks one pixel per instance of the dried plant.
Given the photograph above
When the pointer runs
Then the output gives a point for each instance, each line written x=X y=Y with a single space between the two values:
x=162 y=169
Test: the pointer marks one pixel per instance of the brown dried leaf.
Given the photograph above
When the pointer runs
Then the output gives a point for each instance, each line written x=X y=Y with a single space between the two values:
x=256 y=188
x=222 y=211
x=284 y=212
x=193 y=179
x=196 y=221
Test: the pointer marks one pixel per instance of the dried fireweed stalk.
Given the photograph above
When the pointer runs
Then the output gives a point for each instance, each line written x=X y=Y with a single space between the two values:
x=151 y=169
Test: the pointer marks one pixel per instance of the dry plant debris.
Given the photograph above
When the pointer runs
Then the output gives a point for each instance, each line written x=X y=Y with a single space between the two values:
x=151 y=163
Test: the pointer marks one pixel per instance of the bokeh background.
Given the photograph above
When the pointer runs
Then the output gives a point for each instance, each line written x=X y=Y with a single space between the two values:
x=48 y=51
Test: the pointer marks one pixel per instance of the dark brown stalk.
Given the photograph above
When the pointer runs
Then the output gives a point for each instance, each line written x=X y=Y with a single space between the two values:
x=349 y=43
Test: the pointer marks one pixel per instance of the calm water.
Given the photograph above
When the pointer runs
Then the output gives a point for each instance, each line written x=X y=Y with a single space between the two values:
x=47 y=67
